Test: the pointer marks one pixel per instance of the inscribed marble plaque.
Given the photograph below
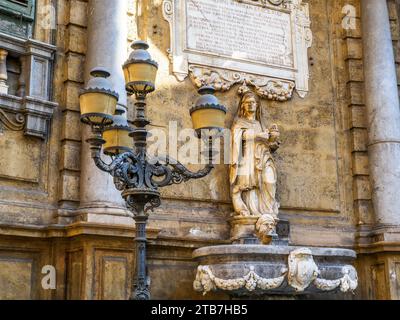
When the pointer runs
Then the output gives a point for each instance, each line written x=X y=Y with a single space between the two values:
x=240 y=31
x=265 y=41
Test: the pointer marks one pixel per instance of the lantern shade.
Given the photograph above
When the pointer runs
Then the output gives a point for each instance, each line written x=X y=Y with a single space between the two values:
x=208 y=119
x=208 y=113
x=140 y=70
x=98 y=101
x=117 y=135
x=117 y=141
x=97 y=107
x=140 y=77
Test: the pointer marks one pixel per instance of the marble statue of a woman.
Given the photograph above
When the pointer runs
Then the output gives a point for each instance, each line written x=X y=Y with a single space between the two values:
x=253 y=175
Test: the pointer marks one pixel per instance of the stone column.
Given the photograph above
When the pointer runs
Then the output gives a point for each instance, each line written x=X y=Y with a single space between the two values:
x=383 y=112
x=3 y=71
x=107 y=47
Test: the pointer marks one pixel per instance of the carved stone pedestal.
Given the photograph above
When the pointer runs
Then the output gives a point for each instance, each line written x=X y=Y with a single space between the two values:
x=243 y=230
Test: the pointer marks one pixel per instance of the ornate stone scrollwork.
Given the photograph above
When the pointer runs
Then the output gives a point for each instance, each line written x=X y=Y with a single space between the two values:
x=302 y=269
x=223 y=80
x=348 y=282
x=220 y=79
x=206 y=281
x=13 y=125
x=264 y=3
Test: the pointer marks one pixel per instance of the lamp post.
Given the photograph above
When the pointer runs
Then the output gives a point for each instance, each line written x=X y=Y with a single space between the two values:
x=137 y=177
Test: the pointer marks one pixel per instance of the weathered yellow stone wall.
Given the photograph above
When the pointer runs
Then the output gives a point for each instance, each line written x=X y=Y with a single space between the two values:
x=71 y=40
x=29 y=166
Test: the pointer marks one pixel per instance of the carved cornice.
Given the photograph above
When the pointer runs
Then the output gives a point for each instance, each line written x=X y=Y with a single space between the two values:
x=76 y=229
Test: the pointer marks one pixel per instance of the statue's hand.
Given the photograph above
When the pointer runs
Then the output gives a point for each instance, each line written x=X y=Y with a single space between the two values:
x=263 y=136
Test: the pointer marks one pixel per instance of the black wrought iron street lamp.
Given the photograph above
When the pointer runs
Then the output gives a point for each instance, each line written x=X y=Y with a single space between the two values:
x=137 y=177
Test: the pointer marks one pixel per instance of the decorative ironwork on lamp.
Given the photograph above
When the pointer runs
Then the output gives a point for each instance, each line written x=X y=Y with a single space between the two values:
x=134 y=175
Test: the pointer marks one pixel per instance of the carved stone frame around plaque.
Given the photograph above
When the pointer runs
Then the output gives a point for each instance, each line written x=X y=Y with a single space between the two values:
x=270 y=81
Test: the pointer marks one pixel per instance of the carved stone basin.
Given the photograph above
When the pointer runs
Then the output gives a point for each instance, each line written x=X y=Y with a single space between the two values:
x=253 y=270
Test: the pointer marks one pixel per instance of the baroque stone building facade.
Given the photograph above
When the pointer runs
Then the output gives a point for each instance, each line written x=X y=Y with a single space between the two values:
x=339 y=162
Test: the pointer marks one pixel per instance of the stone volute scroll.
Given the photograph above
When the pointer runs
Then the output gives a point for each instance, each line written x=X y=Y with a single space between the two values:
x=261 y=43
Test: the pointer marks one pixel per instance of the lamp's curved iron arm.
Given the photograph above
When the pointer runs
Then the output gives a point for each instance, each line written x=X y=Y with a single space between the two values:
x=175 y=172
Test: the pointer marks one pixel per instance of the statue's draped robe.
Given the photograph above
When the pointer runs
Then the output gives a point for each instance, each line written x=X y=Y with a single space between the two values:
x=253 y=173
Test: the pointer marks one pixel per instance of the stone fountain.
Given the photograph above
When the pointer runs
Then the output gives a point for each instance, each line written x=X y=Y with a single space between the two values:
x=260 y=262
x=260 y=270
